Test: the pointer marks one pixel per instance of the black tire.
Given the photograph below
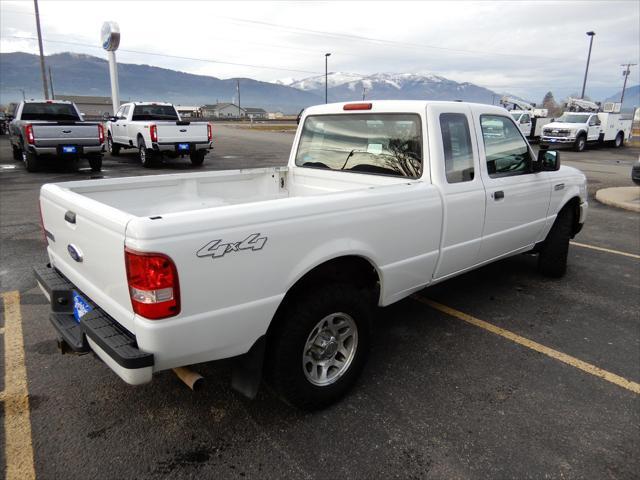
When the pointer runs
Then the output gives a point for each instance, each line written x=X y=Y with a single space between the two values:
x=95 y=162
x=113 y=149
x=552 y=260
x=31 y=161
x=17 y=153
x=145 y=155
x=619 y=141
x=197 y=158
x=580 y=143
x=292 y=332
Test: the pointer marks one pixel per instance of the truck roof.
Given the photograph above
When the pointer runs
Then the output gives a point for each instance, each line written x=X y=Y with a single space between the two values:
x=148 y=103
x=47 y=101
x=392 y=106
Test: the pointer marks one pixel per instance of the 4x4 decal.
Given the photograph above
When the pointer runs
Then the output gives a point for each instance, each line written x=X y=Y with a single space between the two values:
x=217 y=249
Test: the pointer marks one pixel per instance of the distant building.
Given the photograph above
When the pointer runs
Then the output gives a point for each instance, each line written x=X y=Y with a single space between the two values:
x=223 y=110
x=255 y=113
x=90 y=106
x=187 y=111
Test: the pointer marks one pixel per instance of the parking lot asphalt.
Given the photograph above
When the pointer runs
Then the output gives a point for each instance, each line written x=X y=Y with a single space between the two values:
x=441 y=397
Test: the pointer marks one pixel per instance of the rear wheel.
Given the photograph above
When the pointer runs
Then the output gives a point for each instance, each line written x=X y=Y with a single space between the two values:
x=17 y=154
x=552 y=260
x=95 y=162
x=580 y=143
x=113 y=148
x=320 y=344
x=197 y=158
x=145 y=155
x=31 y=161
x=619 y=141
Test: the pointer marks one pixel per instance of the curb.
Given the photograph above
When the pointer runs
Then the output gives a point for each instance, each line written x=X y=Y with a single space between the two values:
x=627 y=198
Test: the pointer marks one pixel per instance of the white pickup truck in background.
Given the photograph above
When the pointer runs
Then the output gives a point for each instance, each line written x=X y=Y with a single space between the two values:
x=156 y=129
x=580 y=128
x=285 y=265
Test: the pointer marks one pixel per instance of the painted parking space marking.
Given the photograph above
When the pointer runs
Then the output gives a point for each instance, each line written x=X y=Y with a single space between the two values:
x=17 y=426
x=607 y=250
x=550 y=352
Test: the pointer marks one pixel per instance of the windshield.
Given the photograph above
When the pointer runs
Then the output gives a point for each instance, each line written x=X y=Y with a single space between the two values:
x=154 y=112
x=573 y=118
x=516 y=116
x=386 y=144
x=49 y=111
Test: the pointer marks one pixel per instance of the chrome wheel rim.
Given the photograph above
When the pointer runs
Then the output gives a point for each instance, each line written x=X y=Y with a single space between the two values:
x=24 y=155
x=330 y=349
x=618 y=141
x=143 y=155
x=581 y=144
x=110 y=144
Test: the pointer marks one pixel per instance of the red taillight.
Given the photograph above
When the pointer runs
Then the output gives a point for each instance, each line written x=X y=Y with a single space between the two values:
x=209 y=132
x=153 y=284
x=28 y=130
x=100 y=133
x=357 y=106
x=153 y=131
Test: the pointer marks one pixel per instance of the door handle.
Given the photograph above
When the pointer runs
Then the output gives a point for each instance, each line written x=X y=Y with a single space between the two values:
x=498 y=195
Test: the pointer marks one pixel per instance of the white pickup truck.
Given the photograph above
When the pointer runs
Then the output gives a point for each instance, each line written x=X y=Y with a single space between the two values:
x=285 y=265
x=156 y=129
x=577 y=129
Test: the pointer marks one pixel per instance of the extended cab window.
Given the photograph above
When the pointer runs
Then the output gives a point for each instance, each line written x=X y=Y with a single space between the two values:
x=49 y=111
x=154 y=112
x=386 y=144
x=507 y=152
x=456 y=143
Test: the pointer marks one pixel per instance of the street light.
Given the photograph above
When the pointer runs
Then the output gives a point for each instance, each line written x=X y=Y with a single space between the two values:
x=584 y=83
x=326 y=76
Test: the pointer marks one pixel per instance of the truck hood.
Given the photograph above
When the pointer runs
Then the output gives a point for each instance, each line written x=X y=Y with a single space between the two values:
x=562 y=125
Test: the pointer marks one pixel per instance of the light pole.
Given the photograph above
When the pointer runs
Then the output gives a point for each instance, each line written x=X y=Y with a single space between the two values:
x=584 y=83
x=627 y=71
x=42 y=69
x=326 y=77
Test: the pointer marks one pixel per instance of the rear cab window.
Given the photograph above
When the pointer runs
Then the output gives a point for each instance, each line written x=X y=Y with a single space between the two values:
x=154 y=112
x=382 y=144
x=49 y=111
x=456 y=144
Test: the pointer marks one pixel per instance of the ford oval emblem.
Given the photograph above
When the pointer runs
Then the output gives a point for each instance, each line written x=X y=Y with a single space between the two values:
x=74 y=252
x=183 y=130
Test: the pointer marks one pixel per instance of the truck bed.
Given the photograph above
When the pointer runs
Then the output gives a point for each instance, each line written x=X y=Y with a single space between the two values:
x=151 y=196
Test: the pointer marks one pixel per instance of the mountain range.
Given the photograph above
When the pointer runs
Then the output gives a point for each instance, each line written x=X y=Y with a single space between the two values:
x=80 y=74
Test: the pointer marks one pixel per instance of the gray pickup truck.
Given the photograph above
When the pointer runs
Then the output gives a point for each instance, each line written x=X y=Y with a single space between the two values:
x=54 y=128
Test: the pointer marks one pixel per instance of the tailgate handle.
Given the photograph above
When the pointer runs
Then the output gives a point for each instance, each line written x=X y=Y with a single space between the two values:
x=70 y=216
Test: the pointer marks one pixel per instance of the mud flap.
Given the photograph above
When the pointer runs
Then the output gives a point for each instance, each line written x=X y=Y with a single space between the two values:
x=247 y=370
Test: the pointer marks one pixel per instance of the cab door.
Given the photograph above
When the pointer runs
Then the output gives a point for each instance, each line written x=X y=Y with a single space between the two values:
x=517 y=200
x=115 y=126
x=454 y=163
x=594 y=126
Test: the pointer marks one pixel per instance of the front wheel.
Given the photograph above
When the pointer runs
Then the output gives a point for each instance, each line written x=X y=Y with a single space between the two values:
x=581 y=143
x=112 y=147
x=552 y=260
x=197 y=158
x=320 y=344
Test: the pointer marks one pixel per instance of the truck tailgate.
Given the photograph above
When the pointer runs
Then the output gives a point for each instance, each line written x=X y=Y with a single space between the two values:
x=86 y=244
x=170 y=132
x=85 y=134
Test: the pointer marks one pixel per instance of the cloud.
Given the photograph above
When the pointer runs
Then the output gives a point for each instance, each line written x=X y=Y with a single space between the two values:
x=526 y=48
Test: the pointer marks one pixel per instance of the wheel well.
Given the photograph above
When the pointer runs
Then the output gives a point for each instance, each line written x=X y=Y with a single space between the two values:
x=574 y=206
x=351 y=269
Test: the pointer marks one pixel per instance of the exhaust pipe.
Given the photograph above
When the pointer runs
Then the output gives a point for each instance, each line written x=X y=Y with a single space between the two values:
x=191 y=379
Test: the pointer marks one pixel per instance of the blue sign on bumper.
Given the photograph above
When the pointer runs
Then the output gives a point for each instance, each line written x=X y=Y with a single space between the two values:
x=183 y=146
x=69 y=149
x=80 y=306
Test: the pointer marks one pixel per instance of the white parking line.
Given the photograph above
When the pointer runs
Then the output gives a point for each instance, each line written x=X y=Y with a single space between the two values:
x=607 y=250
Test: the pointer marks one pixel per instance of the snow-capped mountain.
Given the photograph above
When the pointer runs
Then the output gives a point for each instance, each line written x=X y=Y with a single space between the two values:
x=387 y=86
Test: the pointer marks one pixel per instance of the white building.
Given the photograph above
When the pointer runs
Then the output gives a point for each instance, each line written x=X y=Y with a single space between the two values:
x=223 y=110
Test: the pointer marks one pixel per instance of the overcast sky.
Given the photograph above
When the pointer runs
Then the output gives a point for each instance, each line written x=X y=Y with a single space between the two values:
x=525 y=48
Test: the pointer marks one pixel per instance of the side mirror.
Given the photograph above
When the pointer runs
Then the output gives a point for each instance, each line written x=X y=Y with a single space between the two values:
x=113 y=119
x=548 y=161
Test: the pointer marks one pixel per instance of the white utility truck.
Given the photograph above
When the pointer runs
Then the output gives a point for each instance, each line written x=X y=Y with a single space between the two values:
x=285 y=265
x=530 y=119
x=156 y=129
x=584 y=124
